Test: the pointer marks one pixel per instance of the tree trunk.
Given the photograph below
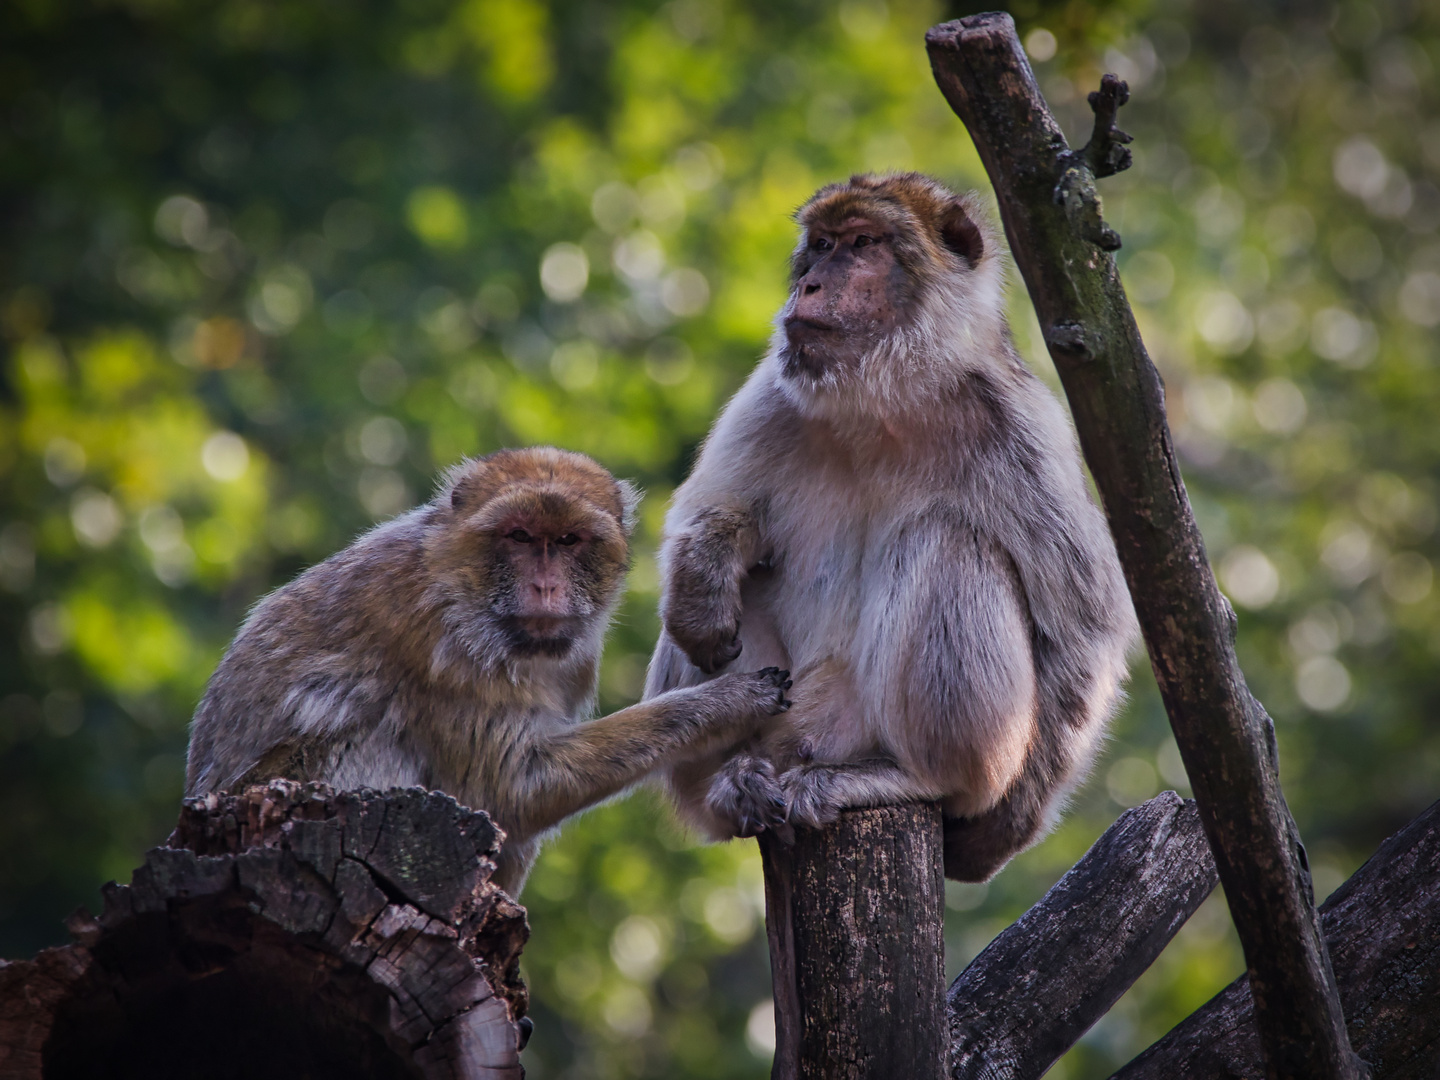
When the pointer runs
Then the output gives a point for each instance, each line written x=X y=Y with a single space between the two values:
x=857 y=953
x=1061 y=244
x=1042 y=983
x=292 y=931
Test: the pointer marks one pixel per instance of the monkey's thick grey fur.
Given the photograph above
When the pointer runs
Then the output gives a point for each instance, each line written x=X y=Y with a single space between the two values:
x=911 y=534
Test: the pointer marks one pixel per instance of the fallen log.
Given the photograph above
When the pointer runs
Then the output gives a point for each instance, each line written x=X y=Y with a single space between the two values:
x=1383 y=930
x=288 y=930
x=1046 y=979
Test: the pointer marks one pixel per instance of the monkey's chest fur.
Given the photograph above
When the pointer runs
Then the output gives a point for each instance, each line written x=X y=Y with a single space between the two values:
x=824 y=604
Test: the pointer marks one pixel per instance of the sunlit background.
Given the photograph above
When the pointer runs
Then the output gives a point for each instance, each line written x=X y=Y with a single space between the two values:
x=268 y=266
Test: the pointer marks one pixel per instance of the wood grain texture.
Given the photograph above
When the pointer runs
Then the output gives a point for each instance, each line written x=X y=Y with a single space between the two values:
x=1054 y=221
x=289 y=930
x=1045 y=980
x=1383 y=929
x=855 y=917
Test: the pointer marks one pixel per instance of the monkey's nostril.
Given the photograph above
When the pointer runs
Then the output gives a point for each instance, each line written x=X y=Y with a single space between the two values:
x=811 y=290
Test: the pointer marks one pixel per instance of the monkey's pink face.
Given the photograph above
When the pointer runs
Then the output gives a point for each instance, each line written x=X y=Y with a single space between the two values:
x=545 y=564
x=849 y=294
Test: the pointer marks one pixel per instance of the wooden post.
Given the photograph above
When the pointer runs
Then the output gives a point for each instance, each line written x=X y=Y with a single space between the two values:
x=1058 y=236
x=857 y=953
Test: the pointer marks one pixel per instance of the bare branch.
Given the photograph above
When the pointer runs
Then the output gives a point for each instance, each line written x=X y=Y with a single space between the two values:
x=1057 y=235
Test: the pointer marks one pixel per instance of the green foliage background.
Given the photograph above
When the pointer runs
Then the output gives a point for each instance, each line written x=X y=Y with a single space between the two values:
x=268 y=266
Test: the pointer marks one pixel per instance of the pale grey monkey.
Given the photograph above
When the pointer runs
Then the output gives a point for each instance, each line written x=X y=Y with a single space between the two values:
x=893 y=508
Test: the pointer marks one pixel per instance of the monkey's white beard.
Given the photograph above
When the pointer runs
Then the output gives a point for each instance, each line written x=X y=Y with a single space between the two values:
x=958 y=329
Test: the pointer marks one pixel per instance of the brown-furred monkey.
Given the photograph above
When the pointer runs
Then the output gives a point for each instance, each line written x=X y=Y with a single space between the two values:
x=893 y=507
x=457 y=647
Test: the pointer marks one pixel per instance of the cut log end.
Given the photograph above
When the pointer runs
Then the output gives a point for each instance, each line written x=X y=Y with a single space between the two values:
x=287 y=929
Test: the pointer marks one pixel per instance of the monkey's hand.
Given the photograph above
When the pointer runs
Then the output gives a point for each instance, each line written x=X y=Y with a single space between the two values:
x=703 y=617
x=744 y=700
x=702 y=593
x=746 y=796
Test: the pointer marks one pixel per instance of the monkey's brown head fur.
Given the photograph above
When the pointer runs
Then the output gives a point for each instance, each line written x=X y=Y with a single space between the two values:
x=893 y=278
x=931 y=226
x=532 y=547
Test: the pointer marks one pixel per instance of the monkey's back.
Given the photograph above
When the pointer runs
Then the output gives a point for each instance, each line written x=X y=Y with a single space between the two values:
x=317 y=664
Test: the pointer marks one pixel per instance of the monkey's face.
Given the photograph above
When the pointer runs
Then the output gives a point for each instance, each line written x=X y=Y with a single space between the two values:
x=850 y=293
x=529 y=549
x=548 y=567
x=884 y=274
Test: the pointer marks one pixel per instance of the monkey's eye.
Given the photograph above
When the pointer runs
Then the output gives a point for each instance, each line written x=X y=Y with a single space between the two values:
x=864 y=241
x=520 y=536
x=568 y=539
x=822 y=243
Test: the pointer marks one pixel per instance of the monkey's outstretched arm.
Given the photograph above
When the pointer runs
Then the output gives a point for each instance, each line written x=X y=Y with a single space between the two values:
x=563 y=773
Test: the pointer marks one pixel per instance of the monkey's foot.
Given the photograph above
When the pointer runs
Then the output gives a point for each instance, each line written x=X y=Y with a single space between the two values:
x=745 y=795
x=812 y=795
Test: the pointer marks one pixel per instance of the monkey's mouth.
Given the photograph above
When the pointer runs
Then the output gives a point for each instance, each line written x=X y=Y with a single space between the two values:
x=540 y=635
x=802 y=331
x=807 y=350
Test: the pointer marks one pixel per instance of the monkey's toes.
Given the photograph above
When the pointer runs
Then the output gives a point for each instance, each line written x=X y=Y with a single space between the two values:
x=807 y=797
x=745 y=794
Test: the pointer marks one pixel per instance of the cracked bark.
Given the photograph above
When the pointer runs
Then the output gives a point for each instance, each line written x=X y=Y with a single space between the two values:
x=1053 y=219
x=289 y=929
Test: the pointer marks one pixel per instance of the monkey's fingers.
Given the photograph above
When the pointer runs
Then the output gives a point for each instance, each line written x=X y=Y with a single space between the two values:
x=718 y=656
x=782 y=682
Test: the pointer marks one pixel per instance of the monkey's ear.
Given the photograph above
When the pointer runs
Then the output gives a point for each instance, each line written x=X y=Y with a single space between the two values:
x=960 y=234
x=463 y=483
x=630 y=497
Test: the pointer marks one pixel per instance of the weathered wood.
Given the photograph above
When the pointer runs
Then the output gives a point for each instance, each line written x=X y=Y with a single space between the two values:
x=1042 y=983
x=1060 y=242
x=1383 y=929
x=291 y=931
x=855 y=917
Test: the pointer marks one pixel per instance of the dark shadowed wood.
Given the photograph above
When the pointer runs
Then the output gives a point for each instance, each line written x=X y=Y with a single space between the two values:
x=287 y=931
x=1053 y=219
x=1042 y=983
x=1383 y=928
x=854 y=913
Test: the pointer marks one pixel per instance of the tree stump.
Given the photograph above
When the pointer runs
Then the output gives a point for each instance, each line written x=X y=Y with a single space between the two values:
x=855 y=916
x=289 y=930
